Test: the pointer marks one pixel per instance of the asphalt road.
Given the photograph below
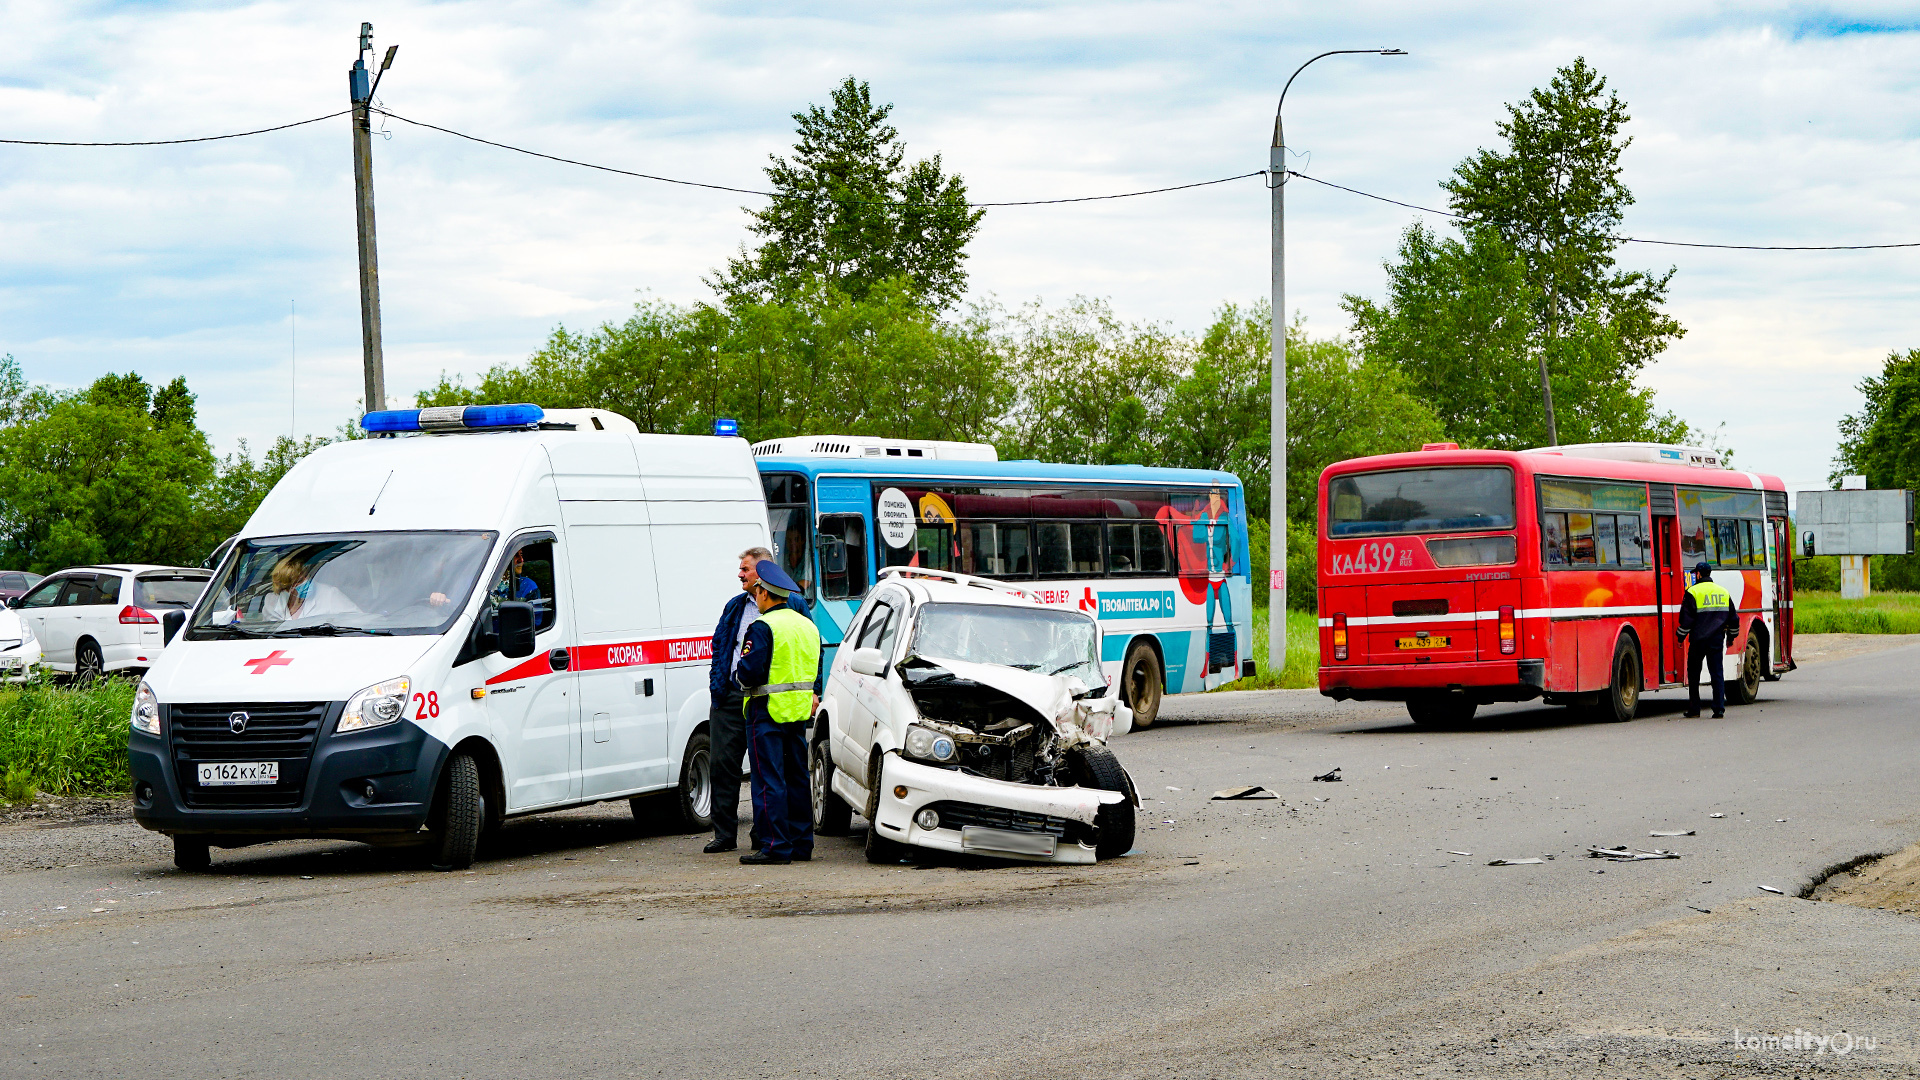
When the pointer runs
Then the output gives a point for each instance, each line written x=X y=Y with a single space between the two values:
x=1350 y=929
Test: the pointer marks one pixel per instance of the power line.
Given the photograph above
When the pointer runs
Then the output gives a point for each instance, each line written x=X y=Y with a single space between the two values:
x=769 y=194
x=1621 y=239
x=176 y=142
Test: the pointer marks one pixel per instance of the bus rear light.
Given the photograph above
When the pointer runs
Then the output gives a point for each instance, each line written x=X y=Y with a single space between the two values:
x=1507 y=644
x=131 y=614
x=1340 y=636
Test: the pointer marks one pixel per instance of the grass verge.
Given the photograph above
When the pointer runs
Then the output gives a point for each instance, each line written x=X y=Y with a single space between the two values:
x=1303 y=654
x=64 y=740
x=1880 y=613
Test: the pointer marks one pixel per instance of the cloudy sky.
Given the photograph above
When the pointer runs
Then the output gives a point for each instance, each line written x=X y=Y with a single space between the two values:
x=1752 y=123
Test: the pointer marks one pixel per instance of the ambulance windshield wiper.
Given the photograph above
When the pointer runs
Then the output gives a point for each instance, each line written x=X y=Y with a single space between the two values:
x=329 y=630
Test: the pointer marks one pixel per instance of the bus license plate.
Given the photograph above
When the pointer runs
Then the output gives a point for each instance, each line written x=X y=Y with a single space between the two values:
x=237 y=773
x=1424 y=642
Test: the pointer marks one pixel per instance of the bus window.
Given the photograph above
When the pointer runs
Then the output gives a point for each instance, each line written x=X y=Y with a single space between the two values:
x=1580 y=539
x=791 y=543
x=1153 y=550
x=843 y=556
x=1554 y=529
x=1086 y=548
x=1053 y=544
x=995 y=549
x=1123 y=556
x=1732 y=540
x=1633 y=546
x=1606 y=552
x=1757 y=544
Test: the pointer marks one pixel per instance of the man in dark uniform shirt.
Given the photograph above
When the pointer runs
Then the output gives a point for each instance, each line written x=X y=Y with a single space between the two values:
x=1708 y=627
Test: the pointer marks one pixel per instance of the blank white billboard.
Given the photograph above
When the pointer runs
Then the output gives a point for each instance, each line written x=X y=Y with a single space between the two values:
x=1854 y=522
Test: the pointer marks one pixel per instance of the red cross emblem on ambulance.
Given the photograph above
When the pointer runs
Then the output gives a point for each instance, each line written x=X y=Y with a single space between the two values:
x=261 y=665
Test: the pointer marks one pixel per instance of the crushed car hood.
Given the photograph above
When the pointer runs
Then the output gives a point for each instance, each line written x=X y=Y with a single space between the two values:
x=1049 y=695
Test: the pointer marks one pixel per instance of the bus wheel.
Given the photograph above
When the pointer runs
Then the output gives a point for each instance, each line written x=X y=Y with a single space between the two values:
x=1620 y=701
x=1440 y=713
x=1142 y=682
x=1753 y=659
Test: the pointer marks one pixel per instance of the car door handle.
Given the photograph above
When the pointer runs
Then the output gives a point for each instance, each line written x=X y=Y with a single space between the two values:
x=558 y=658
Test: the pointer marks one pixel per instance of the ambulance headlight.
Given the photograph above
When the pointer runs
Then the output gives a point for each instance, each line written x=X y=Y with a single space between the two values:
x=146 y=710
x=929 y=745
x=376 y=706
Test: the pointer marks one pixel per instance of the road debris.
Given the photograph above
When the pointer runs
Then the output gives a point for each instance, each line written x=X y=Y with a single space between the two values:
x=1251 y=791
x=1517 y=862
x=1624 y=854
x=1466 y=853
x=1672 y=832
x=1701 y=910
x=1716 y=815
x=1771 y=889
x=1331 y=776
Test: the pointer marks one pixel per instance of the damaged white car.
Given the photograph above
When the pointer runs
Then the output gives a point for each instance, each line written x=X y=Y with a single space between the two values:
x=960 y=715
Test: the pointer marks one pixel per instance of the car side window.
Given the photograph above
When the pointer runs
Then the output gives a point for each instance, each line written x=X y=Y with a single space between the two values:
x=44 y=595
x=13 y=581
x=106 y=589
x=878 y=622
x=79 y=591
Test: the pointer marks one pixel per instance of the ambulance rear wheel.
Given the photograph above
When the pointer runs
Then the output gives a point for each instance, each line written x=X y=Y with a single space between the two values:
x=688 y=808
x=1143 y=682
x=192 y=853
x=1745 y=690
x=454 y=835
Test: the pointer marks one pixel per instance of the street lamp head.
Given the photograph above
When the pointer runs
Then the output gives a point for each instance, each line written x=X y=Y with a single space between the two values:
x=1393 y=52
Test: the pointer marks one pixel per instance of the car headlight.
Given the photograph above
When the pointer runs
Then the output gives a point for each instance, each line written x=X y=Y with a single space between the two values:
x=376 y=706
x=26 y=632
x=146 y=710
x=929 y=744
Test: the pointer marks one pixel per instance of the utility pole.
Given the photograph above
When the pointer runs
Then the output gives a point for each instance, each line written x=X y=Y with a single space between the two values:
x=1277 y=452
x=361 y=91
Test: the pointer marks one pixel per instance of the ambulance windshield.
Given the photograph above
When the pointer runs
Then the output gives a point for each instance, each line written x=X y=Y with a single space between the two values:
x=344 y=583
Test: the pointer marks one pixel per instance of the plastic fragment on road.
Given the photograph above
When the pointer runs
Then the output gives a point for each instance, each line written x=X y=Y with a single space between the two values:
x=1624 y=854
x=1672 y=832
x=1466 y=853
x=1716 y=815
x=1331 y=776
x=1251 y=791
x=1771 y=889
x=1702 y=910
x=1517 y=862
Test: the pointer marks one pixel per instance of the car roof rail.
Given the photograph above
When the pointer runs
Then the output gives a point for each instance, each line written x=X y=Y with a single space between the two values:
x=950 y=576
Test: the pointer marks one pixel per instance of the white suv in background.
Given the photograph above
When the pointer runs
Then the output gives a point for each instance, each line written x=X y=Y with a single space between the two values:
x=94 y=619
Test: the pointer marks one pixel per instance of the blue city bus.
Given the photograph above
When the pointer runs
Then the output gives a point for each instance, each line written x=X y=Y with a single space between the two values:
x=1159 y=556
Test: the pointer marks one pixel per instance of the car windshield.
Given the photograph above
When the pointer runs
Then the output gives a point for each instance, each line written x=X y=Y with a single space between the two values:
x=1032 y=639
x=345 y=583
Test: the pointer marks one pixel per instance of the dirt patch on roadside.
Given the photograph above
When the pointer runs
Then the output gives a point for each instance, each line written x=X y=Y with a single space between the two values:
x=63 y=811
x=1811 y=648
x=1888 y=883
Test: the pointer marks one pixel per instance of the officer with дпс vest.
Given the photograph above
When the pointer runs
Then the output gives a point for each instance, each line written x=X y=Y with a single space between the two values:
x=778 y=667
x=1708 y=627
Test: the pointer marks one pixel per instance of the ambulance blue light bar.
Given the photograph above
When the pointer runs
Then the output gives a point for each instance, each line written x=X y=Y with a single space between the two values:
x=453 y=418
x=726 y=429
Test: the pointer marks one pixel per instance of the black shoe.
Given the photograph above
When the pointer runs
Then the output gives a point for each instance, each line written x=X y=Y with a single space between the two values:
x=761 y=858
x=714 y=847
x=1691 y=714
x=808 y=857
x=1720 y=716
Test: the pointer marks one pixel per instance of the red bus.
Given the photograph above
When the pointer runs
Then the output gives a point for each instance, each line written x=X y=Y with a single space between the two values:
x=1454 y=578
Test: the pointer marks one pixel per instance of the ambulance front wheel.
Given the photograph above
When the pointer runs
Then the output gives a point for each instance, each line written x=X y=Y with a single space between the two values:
x=454 y=830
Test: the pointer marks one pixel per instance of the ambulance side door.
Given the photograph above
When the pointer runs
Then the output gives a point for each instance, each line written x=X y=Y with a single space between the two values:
x=531 y=701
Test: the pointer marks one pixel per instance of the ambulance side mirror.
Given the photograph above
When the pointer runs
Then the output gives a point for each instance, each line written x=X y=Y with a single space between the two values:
x=513 y=626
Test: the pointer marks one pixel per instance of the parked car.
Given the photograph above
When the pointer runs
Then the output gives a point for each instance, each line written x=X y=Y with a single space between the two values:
x=19 y=649
x=15 y=583
x=960 y=715
x=94 y=619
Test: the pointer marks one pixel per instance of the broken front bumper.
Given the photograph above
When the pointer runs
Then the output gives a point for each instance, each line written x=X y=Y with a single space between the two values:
x=976 y=811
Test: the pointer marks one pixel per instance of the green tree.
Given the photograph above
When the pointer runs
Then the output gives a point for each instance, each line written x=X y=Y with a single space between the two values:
x=239 y=483
x=1882 y=443
x=1531 y=288
x=848 y=209
x=1088 y=387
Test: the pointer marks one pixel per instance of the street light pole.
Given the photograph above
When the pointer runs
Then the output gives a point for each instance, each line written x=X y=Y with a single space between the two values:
x=1277 y=460
x=361 y=91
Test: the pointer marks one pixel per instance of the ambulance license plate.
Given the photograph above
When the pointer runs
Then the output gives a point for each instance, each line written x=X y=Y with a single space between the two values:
x=975 y=838
x=1424 y=642
x=238 y=773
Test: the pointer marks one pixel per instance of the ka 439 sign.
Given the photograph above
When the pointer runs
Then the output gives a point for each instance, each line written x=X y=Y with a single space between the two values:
x=1373 y=558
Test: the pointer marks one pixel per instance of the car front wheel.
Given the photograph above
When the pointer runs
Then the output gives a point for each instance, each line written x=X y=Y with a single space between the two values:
x=1113 y=824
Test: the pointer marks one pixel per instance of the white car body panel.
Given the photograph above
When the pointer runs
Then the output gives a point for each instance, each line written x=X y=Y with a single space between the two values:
x=19 y=653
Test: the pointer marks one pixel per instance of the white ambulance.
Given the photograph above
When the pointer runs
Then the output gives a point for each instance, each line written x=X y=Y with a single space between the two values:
x=481 y=612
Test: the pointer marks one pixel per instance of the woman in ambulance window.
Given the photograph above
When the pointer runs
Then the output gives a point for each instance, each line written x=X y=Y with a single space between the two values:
x=296 y=595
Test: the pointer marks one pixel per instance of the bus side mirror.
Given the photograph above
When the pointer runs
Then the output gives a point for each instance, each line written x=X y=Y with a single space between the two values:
x=833 y=554
x=513 y=626
x=1806 y=543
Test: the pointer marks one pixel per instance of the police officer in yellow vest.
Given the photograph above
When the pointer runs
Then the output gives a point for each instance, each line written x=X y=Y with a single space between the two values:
x=1709 y=628
x=779 y=663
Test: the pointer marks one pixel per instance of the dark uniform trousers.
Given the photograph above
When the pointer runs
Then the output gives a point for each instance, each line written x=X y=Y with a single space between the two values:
x=727 y=726
x=1715 y=655
x=782 y=800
